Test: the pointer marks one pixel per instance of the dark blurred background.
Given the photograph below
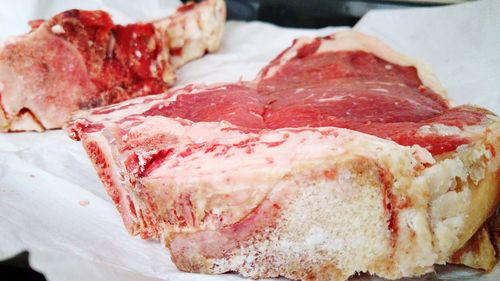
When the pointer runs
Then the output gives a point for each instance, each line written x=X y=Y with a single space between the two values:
x=289 y=13
x=18 y=269
x=316 y=13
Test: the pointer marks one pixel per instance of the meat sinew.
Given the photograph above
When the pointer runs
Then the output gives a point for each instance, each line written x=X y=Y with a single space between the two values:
x=343 y=156
x=81 y=59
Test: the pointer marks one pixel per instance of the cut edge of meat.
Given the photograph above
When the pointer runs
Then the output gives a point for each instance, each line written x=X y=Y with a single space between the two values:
x=421 y=208
x=135 y=216
x=273 y=241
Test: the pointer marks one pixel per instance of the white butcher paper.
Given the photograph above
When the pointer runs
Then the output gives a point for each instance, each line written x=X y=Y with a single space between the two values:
x=53 y=204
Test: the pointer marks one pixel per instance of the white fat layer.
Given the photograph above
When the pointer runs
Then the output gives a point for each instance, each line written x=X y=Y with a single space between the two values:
x=414 y=225
x=227 y=161
x=441 y=176
x=194 y=31
x=310 y=225
x=379 y=90
x=450 y=196
x=438 y=129
x=305 y=144
x=336 y=98
x=153 y=69
x=57 y=29
x=143 y=156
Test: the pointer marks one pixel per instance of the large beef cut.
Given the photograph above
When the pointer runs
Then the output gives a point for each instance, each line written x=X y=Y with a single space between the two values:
x=342 y=156
x=80 y=60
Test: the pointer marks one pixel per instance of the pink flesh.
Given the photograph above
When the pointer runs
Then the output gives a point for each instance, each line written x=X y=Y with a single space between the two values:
x=309 y=68
x=237 y=104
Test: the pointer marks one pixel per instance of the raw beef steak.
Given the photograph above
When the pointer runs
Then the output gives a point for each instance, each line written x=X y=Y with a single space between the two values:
x=343 y=156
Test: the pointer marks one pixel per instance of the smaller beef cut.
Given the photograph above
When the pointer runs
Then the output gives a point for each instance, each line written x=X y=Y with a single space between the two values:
x=81 y=59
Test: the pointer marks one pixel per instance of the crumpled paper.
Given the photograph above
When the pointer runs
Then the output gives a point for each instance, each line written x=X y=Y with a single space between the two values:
x=53 y=204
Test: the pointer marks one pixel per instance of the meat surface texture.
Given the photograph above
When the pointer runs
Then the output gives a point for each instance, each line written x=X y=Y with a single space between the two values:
x=81 y=59
x=341 y=157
